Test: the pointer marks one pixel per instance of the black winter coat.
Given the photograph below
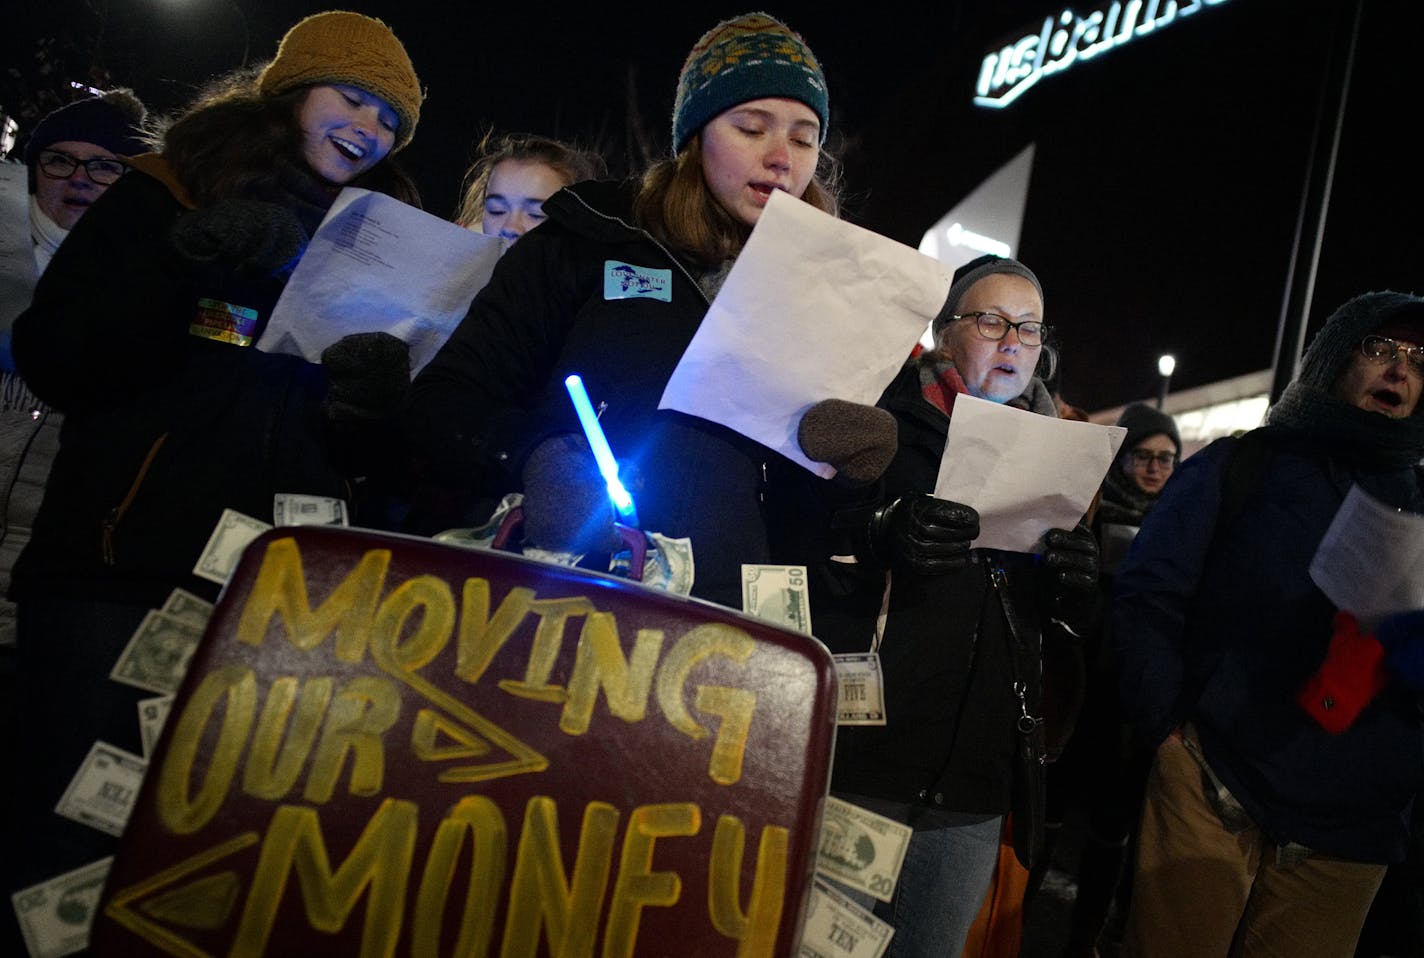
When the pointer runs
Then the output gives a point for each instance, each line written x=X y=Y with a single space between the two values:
x=557 y=304
x=948 y=656
x=163 y=429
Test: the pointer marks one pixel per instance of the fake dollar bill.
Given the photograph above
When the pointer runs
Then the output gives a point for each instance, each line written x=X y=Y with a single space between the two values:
x=158 y=653
x=836 y=927
x=777 y=594
x=182 y=604
x=860 y=689
x=55 y=916
x=296 y=509
x=860 y=848
x=152 y=715
x=233 y=533
x=101 y=794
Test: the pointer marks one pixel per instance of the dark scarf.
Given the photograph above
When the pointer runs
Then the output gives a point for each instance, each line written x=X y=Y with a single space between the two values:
x=1369 y=438
x=1124 y=502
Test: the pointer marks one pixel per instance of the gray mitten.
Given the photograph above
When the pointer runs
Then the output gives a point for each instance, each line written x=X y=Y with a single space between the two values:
x=368 y=375
x=256 y=237
x=858 y=440
x=566 y=504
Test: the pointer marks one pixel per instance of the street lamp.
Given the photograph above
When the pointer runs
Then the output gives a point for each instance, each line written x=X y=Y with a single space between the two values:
x=1166 y=364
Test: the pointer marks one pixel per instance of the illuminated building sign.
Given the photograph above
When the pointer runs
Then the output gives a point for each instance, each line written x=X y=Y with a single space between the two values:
x=1069 y=37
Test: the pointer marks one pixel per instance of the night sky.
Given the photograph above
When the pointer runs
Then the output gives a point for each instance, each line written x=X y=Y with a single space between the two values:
x=1168 y=175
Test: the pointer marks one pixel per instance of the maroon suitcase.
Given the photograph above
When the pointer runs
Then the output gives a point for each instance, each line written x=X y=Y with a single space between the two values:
x=386 y=746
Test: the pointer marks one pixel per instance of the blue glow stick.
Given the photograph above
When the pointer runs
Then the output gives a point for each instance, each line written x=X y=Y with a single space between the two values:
x=598 y=442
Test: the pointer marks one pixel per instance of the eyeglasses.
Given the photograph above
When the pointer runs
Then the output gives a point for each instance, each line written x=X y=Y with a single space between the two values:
x=1142 y=458
x=996 y=327
x=103 y=170
x=1382 y=349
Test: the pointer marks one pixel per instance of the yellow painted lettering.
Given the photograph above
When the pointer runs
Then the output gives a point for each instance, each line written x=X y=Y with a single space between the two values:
x=541 y=896
x=755 y=929
x=378 y=865
x=479 y=818
x=180 y=811
x=735 y=708
x=600 y=664
x=281 y=590
x=482 y=636
x=734 y=705
x=433 y=597
x=553 y=615
x=638 y=886
x=281 y=744
x=362 y=711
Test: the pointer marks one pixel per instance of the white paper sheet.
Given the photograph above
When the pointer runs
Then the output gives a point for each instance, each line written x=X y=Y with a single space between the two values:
x=1371 y=561
x=814 y=308
x=1024 y=473
x=377 y=264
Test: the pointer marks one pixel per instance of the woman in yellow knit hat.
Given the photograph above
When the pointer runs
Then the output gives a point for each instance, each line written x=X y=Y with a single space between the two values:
x=141 y=332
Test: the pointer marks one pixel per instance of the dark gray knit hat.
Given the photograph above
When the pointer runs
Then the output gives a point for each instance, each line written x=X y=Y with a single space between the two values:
x=1340 y=336
x=112 y=120
x=1143 y=421
x=971 y=273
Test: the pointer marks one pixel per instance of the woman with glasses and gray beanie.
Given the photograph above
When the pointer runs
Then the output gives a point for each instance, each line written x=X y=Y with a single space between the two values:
x=612 y=286
x=141 y=333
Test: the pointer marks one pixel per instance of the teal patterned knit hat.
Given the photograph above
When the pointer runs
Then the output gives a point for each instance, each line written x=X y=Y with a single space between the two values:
x=745 y=58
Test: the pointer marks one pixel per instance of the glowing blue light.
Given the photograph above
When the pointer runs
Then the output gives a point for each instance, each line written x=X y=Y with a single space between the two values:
x=602 y=454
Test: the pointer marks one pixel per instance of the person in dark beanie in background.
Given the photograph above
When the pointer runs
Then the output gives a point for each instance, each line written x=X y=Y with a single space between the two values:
x=1273 y=808
x=613 y=286
x=141 y=333
x=1099 y=770
x=73 y=155
x=958 y=632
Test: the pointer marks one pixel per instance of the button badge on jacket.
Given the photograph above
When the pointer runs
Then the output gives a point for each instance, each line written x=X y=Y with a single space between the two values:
x=626 y=281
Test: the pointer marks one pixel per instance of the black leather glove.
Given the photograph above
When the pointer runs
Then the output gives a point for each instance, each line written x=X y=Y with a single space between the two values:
x=1071 y=569
x=256 y=237
x=368 y=375
x=919 y=532
x=858 y=440
x=566 y=504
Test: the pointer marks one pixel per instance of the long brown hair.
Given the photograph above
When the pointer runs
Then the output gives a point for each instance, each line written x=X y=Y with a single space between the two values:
x=233 y=141
x=676 y=207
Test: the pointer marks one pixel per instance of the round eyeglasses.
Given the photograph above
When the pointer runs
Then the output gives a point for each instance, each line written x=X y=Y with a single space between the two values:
x=996 y=327
x=1382 y=349
x=103 y=170
x=1142 y=458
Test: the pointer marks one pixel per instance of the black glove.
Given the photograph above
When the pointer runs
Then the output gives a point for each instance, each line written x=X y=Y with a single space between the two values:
x=919 y=532
x=1070 y=566
x=255 y=237
x=368 y=375
x=566 y=504
x=859 y=441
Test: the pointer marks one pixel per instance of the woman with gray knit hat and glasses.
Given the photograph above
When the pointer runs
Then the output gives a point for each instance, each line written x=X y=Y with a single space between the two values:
x=612 y=287
x=141 y=332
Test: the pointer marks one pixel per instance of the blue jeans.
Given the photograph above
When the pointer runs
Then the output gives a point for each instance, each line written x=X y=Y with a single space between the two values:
x=943 y=881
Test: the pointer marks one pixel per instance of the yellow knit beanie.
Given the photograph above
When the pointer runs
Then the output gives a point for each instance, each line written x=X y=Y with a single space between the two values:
x=339 y=46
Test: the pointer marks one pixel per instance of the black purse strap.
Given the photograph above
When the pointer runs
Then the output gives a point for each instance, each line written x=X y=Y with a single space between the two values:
x=1027 y=722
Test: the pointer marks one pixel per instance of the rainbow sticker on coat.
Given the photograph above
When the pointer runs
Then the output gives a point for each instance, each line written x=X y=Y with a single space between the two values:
x=224 y=322
x=626 y=281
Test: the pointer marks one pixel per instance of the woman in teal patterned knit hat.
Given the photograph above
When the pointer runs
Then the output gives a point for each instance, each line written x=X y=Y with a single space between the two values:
x=613 y=286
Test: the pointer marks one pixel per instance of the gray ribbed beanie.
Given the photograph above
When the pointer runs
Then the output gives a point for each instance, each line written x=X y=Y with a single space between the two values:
x=971 y=273
x=1340 y=336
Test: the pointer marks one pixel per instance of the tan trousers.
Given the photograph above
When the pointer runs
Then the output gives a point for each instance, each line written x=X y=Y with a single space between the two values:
x=1201 y=891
